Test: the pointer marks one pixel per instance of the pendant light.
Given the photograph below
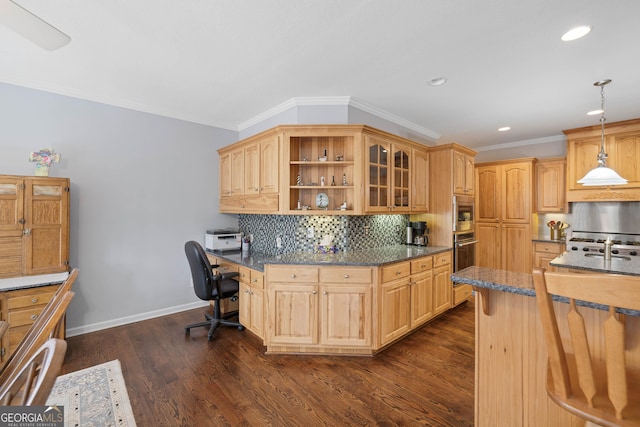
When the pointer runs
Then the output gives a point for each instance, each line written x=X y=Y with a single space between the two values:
x=602 y=175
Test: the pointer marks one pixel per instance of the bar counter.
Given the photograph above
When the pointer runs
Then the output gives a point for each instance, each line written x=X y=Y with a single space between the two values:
x=511 y=354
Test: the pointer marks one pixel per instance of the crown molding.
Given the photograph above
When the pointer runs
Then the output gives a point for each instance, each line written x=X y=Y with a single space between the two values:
x=544 y=140
x=337 y=101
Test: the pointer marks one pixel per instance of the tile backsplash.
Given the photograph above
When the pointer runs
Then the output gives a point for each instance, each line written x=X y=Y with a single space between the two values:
x=349 y=232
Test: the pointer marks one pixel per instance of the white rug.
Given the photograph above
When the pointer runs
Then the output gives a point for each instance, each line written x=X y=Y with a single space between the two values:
x=93 y=397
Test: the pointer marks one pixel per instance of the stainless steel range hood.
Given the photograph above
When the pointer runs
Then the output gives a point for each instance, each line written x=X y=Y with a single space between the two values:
x=606 y=217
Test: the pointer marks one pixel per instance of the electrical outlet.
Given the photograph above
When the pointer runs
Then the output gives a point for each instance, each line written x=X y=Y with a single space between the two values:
x=278 y=242
x=366 y=230
x=310 y=232
x=251 y=238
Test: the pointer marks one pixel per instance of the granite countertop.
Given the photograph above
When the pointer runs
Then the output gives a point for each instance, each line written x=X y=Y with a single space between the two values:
x=363 y=257
x=629 y=265
x=516 y=283
x=547 y=239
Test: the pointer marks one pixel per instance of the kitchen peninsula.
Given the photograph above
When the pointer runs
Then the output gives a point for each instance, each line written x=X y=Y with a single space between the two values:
x=350 y=303
x=511 y=355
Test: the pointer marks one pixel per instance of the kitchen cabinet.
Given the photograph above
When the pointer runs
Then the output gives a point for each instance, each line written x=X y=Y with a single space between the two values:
x=420 y=181
x=442 y=285
x=20 y=308
x=318 y=310
x=323 y=159
x=389 y=168
x=412 y=293
x=463 y=173
x=551 y=185
x=223 y=266
x=449 y=174
x=250 y=175
x=622 y=145
x=34 y=225
x=503 y=214
x=251 y=300
x=545 y=252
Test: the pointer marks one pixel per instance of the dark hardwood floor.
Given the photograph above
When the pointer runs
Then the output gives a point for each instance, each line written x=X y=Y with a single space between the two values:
x=177 y=380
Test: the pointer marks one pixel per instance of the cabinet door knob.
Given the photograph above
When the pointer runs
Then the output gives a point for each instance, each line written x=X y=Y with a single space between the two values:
x=34 y=316
x=398 y=273
x=324 y=293
x=293 y=276
x=314 y=292
x=34 y=300
x=346 y=276
x=255 y=280
x=246 y=291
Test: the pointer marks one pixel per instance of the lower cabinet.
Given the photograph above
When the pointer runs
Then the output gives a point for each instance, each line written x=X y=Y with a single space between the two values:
x=545 y=252
x=251 y=300
x=318 y=310
x=21 y=308
x=442 y=285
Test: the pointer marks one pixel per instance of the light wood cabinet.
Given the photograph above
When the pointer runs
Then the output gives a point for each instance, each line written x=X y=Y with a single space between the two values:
x=420 y=181
x=323 y=159
x=551 y=185
x=463 y=173
x=395 y=302
x=251 y=300
x=622 y=145
x=34 y=225
x=250 y=175
x=545 y=252
x=318 y=310
x=20 y=308
x=503 y=211
x=421 y=286
x=449 y=175
x=389 y=166
x=442 y=285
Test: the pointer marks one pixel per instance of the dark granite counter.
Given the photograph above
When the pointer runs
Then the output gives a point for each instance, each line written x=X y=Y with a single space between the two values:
x=577 y=260
x=547 y=239
x=364 y=257
x=516 y=283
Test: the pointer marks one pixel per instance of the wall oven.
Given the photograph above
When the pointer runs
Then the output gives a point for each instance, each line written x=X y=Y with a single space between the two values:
x=464 y=250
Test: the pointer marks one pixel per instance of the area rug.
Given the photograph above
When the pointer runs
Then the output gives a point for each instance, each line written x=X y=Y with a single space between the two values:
x=93 y=397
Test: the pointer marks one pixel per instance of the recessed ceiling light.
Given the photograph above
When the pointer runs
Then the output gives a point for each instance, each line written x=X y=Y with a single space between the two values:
x=438 y=81
x=594 y=112
x=576 y=33
x=504 y=129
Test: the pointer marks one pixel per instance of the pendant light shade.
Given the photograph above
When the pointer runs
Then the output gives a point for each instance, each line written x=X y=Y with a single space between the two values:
x=602 y=175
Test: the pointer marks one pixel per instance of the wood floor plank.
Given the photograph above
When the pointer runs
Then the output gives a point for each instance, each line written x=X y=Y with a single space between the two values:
x=184 y=380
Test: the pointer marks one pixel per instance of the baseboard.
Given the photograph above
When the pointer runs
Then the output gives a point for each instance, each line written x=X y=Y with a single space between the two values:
x=80 y=330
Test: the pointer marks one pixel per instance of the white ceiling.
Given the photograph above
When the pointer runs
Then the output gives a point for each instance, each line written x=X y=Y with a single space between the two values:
x=224 y=62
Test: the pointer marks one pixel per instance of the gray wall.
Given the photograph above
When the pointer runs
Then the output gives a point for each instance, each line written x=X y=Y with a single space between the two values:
x=141 y=185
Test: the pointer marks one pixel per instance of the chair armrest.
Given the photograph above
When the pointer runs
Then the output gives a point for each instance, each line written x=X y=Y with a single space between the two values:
x=229 y=275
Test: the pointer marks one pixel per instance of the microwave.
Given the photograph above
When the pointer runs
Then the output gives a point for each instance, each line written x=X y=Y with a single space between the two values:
x=463 y=213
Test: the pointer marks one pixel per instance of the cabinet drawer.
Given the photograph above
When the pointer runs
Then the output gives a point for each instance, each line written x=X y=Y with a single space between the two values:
x=396 y=271
x=461 y=293
x=244 y=275
x=290 y=273
x=37 y=298
x=549 y=248
x=257 y=279
x=25 y=316
x=421 y=264
x=227 y=267
x=345 y=275
x=442 y=259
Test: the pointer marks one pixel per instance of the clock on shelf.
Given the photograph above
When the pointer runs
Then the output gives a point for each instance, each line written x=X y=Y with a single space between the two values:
x=322 y=200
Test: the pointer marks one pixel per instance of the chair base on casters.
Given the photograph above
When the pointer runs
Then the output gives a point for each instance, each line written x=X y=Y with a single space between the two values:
x=213 y=324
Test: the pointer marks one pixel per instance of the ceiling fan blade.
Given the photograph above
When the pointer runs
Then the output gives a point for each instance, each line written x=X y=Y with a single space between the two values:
x=31 y=27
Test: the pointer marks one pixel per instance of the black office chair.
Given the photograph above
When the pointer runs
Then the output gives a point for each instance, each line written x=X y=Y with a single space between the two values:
x=211 y=287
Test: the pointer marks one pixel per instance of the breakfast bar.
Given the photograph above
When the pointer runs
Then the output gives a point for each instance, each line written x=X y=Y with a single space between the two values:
x=511 y=355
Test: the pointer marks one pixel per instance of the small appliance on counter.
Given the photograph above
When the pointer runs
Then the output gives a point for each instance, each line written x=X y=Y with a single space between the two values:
x=223 y=240
x=420 y=233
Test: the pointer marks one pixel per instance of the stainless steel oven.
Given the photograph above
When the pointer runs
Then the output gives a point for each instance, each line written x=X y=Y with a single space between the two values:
x=464 y=250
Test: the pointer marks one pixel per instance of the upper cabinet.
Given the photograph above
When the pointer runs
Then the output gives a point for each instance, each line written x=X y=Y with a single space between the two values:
x=34 y=225
x=463 y=173
x=250 y=175
x=324 y=169
x=622 y=145
x=550 y=185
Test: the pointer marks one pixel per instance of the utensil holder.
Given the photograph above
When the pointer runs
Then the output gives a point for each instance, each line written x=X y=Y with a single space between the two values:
x=553 y=233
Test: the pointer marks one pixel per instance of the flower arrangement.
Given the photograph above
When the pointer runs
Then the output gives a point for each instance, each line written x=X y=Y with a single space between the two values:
x=44 y=158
